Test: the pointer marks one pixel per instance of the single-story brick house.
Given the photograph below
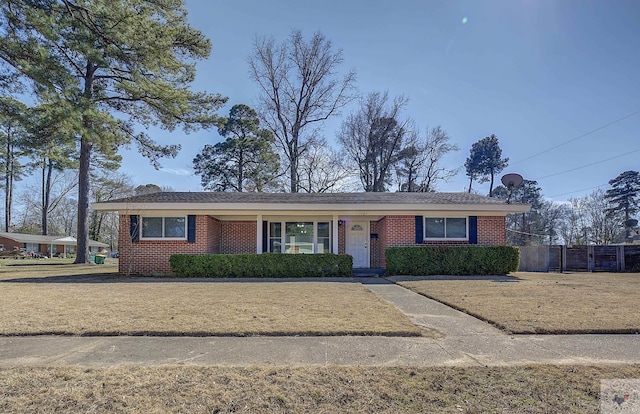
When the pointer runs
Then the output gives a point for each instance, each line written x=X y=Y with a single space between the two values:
x=155 y=226
x=47 y=245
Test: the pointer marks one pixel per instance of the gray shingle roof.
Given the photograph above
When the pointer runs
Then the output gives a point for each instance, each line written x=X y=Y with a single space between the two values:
x=40 y=239
x=304 y=198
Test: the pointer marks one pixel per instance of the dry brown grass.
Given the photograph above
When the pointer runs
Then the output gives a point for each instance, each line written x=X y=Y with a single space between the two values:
x=532 y=389
x=83 y=300
x=544 y=302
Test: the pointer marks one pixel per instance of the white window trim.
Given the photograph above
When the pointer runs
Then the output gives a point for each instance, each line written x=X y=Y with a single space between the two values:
x=424 y=229
x=186 y=229
x=283 y=233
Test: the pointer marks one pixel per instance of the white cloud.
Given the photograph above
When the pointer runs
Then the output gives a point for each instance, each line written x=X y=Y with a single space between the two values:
x=178 y=171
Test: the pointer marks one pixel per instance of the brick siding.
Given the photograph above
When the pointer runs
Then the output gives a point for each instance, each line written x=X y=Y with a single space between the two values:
x=150 y=257
x=492 y=230
x=238 y=237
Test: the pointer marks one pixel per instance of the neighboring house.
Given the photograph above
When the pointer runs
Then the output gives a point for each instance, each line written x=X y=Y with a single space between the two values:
x=155 y=226
x=46 y=245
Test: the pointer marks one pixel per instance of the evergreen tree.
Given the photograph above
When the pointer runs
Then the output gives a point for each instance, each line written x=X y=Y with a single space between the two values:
x=118 y=64
x=525 y=228
x=485 y=161
x=624 y=197
x=244 y=161
x=12 y=142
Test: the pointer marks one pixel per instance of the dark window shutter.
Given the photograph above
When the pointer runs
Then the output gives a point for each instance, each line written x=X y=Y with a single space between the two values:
x=191 y=229
x=134 y=228
x=419 y=229
x=264 y=236
x=473 y=230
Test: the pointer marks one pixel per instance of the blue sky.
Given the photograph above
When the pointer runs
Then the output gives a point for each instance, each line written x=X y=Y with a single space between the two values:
x=535 y=73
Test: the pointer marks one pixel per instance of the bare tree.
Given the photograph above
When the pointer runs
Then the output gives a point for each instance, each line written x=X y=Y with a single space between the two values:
x=322 y=169
x=420 y=169
x=374 y=136
x=298 y=88
x=589 y=223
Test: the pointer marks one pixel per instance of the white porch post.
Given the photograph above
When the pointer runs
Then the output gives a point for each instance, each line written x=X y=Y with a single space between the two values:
x=259 y=234
x=334 y=235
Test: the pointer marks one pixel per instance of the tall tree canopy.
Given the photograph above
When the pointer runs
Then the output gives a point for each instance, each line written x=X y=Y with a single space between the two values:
x=118 y=64
x=298 y=89
x=13 y=123
x=485 y=161
x=420 y=167
x=374 y=137
x=244 y=161
x=52 y=148
x=525 y=228
x=624 y=197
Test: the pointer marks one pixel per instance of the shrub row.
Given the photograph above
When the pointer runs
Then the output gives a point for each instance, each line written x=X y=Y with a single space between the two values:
x=261 y=265
x=452 y=260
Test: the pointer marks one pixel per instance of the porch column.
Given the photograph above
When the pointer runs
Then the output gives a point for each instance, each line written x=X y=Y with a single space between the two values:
x=334 y=235
x=259 y=234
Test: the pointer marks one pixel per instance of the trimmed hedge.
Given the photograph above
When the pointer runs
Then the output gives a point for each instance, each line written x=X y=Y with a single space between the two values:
x=452 y=260
x=261 y=265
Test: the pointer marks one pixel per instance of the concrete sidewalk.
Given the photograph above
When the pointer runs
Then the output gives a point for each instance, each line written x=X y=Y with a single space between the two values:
x=452 y=338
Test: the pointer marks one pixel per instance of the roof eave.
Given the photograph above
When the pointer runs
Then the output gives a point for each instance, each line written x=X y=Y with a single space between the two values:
x=123 y=208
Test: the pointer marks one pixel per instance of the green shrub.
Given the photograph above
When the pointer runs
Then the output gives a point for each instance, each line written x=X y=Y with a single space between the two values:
x=261 y=265
x=452 y=260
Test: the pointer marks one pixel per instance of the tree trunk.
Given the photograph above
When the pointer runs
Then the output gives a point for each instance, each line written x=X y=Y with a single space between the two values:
x=8 y=182
x=491 y=186
x=293 y=169
x=470 y=182
x=82 y=253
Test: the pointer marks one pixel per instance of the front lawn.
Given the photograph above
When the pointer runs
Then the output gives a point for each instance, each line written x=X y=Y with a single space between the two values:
x=192 y=389
x=528 y=303
x=84 y=300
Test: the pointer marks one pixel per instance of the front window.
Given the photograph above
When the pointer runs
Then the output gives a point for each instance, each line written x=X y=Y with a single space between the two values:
x=306 y=237
x=32 y=247
x=445 y=228
x=163 y=228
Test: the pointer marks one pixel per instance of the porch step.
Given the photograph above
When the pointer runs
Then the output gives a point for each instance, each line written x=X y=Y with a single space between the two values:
x=366 y=272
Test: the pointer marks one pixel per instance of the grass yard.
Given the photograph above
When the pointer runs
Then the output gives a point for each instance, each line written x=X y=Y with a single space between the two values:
x=542 y=302
x=94 y=300
x=531 y=389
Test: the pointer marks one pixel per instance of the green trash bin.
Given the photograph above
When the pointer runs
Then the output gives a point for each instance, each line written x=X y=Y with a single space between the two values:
x=100 y=258
x=92 y=258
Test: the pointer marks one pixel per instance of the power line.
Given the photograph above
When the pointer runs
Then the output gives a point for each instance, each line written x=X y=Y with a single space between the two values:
x=580 y=136
x=576 y=191
x=588 y=165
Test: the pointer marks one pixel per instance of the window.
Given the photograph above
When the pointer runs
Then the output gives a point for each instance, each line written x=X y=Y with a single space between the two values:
x=295 y=237
x=163 y=228
x=275 y=237
x=445 y=228
x=32 y=247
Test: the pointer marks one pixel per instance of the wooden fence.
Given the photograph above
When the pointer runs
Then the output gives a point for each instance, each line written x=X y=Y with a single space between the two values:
x=580 y=258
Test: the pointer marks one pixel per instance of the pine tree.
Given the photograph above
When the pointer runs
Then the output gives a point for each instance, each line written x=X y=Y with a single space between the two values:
x=624 y=197
x=119 y=64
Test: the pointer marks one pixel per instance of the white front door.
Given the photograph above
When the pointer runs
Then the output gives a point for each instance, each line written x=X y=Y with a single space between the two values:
x=358 y=243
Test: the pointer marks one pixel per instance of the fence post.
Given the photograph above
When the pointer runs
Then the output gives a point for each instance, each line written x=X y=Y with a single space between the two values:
x=621 y=258
x=563 y=259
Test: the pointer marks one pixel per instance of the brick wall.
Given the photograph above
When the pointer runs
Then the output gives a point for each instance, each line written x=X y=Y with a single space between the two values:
x=342 y=239
x=238 y=237
x=10 y=245
x=377 y=252
x=401 y=231
x=492 y=230
x=151 y=257
x=393 y=231
x=214 y=236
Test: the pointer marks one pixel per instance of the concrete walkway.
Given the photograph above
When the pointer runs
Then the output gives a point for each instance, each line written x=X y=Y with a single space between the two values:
x=451 y=338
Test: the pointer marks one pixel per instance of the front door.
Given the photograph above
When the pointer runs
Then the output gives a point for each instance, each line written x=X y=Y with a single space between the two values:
x=358 y=243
